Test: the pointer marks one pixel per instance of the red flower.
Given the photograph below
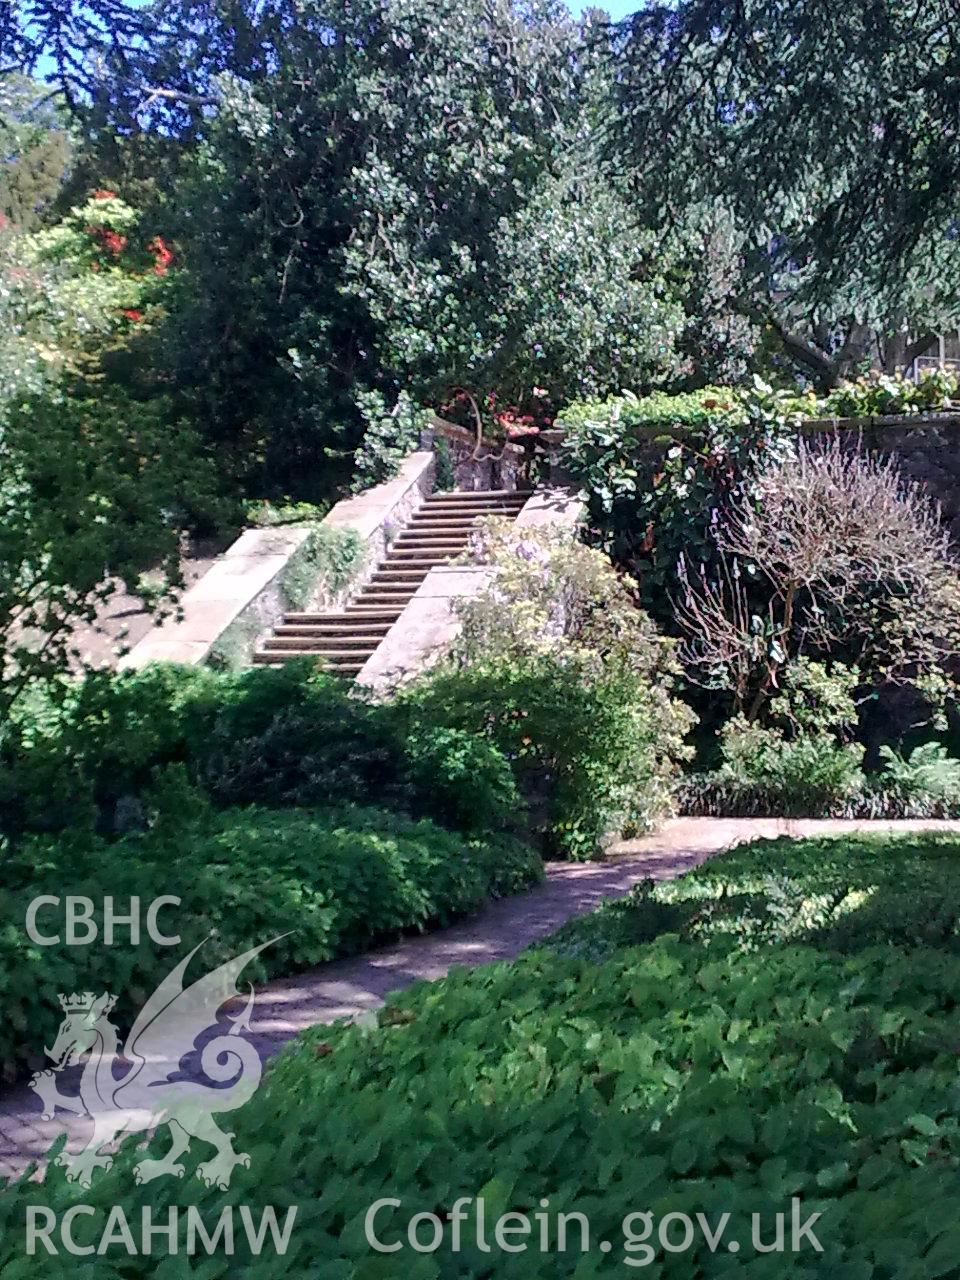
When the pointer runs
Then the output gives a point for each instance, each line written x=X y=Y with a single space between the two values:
x=132 y=314
x=162 y=255
x=112 y=241
x=104 y=195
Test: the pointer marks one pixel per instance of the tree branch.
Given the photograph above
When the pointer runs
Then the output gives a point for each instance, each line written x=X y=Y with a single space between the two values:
x=805 y=352
x=917 y=348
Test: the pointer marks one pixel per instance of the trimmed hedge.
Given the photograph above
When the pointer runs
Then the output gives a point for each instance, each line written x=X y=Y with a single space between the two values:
x=337 y=881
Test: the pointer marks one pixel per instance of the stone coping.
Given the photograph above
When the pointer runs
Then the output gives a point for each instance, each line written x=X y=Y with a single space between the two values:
x=249 y=573
x=450 y=431
x=429 y=623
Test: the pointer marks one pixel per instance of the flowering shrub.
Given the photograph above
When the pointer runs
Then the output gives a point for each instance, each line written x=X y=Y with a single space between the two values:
x=558 y=668
x=499 y=421
x=93 y=279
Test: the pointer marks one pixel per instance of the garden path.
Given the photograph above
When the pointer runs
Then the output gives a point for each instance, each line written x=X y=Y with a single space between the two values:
x=345 y=988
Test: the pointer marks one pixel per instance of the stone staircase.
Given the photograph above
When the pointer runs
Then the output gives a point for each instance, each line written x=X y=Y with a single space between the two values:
x=437 y=531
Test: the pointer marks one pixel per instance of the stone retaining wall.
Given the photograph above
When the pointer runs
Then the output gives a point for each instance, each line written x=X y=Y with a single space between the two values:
x=429 y=622
x=493 y=466
x=926 y=448
x=241 y=598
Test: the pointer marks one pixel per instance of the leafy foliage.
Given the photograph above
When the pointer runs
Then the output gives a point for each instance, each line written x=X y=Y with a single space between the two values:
x=332 y=881
x=927 y=774
x=326 y=562
x=691 y=1071
x=836 y=893
x=277 y=737
x=558 y=668
x=660 y=470
x=36 y=145
x=845 y=231
x=388 y=438
x=92 y=493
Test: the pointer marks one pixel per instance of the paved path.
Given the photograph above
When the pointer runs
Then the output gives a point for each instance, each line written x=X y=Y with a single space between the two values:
x=344 y=988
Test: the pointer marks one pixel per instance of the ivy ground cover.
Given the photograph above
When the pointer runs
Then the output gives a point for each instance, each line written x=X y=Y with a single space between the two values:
x=708 y=1071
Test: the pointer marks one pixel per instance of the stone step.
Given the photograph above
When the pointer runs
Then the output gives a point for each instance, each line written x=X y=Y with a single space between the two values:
x=463 y=513
x=334 y=656
x=440 y=531
x=389 y=596
x=425 y=548
x=450 y=530
x=349 y=668
x=430 y=540
x=336 y=627
x=442 y=522
x=455 y=508
x=458 y=495
x=328 y=639
x=350 y=616
x=361 y=612
x=410 y=560
x=350 y=643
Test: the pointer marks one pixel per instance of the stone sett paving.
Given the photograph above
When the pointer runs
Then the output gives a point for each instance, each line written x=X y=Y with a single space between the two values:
x=345 y=988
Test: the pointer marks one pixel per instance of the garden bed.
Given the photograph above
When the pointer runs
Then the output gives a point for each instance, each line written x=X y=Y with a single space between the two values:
x=785 y=1033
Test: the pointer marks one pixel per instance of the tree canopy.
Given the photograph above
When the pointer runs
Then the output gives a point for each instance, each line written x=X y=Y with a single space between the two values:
x=829 y=133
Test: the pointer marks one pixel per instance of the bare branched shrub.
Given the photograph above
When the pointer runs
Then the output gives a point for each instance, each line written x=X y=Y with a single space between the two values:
x=834 y=555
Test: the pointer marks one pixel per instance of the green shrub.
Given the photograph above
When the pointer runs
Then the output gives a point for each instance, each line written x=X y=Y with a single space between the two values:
x=928 y=776
x=65 y=760
x=332 y=881
x=264 y=514
x=325 y=562
x=465 y=781
x=556 y=665
x=878 y=393
x=389 y=436
x=765 y=774
x=660 y=471
x=589 y=750
x=278 y=737
x=809 y=775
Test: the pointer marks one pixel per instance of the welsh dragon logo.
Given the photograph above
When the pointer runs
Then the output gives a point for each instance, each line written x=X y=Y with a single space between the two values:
x=143 y=1098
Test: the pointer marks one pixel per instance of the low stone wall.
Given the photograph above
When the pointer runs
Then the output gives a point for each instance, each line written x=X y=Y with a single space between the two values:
x=927 y=449
x=493 y=466
x=242 y=596
x=429 y=623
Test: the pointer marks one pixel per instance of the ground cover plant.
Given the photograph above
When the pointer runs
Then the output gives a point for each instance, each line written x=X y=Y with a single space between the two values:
x=835 y=893
x=247 y=796
x=728 y=1064
x=333 y=880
